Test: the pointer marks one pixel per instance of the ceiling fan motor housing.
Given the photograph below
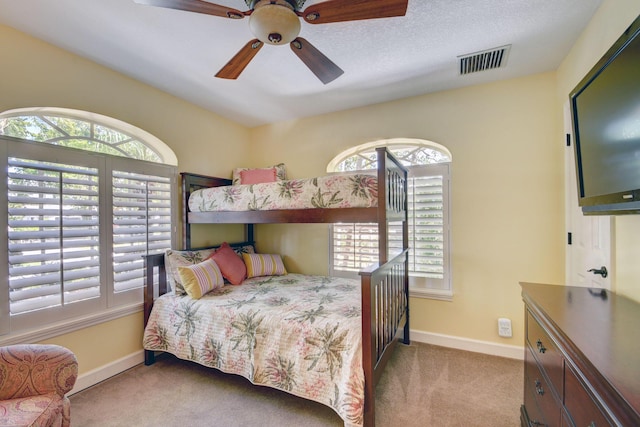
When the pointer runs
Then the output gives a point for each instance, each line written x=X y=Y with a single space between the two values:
x=252 y=3
x=274 y=22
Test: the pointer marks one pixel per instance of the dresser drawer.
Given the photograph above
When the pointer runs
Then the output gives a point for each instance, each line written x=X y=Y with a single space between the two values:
x=540 y=399
x=582 y=408
x=531 y=416
x=546 y=352
x=534 y=416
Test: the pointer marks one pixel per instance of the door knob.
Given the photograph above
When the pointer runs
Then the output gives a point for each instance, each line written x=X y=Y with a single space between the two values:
x=601 y=271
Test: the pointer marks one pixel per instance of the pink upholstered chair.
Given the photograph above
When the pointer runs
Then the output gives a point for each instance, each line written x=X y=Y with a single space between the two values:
x=34 y=379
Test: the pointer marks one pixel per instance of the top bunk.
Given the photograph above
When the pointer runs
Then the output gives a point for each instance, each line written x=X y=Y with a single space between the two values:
x=386 y=202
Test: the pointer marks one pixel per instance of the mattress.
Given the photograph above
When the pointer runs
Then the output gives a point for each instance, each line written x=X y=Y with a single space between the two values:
x=331 y=191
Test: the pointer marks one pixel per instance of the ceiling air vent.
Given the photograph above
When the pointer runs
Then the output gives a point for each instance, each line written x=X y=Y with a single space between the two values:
x=485 y=60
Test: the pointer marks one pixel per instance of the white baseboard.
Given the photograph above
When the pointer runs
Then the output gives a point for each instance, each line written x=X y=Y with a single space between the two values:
x=477 y=346
x=104 y=372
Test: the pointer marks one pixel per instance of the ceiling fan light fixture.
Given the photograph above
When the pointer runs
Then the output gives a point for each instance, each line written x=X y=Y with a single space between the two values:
x=274 y=22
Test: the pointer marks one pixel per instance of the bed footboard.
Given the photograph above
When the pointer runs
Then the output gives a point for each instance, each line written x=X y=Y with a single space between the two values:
x=385 y=313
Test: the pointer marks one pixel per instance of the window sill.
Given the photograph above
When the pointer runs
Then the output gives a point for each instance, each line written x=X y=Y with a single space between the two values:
x=441 y=295
x=71 y=325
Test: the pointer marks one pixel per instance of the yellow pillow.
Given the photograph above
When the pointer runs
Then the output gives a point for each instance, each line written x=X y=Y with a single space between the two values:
x=201 y=278
x=263 y=265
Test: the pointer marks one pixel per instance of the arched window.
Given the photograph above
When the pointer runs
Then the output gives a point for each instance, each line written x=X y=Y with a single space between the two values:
x=85 y=131
x=354 y=246
x=411 y=152
x=87 y=197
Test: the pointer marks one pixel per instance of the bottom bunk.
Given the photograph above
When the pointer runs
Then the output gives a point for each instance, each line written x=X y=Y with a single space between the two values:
x=321 y=338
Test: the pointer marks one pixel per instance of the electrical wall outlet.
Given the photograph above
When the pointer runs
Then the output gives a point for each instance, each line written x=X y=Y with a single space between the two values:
x=504 y=327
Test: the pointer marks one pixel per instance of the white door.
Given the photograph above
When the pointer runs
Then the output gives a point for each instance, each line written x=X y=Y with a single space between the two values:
x=589 y=237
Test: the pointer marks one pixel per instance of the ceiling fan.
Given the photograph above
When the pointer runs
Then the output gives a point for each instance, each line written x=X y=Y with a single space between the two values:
x=277 y=22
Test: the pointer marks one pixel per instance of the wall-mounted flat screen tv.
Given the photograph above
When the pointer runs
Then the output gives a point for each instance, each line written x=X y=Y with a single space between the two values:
x=605 y=110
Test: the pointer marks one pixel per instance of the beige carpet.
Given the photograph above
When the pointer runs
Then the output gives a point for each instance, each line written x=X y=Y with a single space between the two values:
x=423 y=385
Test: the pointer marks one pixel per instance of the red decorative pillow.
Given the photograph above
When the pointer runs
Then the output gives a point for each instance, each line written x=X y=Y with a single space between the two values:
x=231 y=265
x=258 y=176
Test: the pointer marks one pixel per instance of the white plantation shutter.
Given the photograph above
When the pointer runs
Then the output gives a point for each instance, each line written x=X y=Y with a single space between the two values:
x=426 y=230
x=53 y=234
x=355 y=246
x=141 y=224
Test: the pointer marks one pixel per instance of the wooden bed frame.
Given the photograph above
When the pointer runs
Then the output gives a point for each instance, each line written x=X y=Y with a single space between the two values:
x=385 y=287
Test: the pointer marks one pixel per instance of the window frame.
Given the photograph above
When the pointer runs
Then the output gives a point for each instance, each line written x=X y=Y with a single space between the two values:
x=110 y=305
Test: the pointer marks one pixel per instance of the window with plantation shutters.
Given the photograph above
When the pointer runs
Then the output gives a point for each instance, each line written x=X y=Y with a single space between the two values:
x=355 y=246
x=85 y=202
x=429 y=229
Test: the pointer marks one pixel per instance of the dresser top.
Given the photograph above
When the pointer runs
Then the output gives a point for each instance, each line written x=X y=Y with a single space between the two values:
x=599 y=329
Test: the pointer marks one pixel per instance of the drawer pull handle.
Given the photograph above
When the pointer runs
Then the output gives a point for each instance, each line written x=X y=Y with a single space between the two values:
x=540 y=390
x=592 y=424
x=541 y=348
x=536 y=423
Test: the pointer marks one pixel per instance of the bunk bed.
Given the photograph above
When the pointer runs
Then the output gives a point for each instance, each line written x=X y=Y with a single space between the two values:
x=381 y=295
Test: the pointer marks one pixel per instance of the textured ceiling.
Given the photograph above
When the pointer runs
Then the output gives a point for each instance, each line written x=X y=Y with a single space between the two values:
x=383 y=59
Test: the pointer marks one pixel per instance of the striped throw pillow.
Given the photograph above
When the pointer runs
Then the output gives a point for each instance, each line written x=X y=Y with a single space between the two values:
x=264 y=265
x=201 y=278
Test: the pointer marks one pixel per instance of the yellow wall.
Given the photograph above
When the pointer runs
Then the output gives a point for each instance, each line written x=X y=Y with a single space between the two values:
x=609 y=22
x=105 y=343
x=507 y=200
x=35 y=73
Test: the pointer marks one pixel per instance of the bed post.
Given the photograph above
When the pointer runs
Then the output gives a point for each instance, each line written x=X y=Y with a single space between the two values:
x=186 y=227
x=392 y=190
x=383 y=225
x=249 y=233
x=151 y=262
x=368 y=352
x=405 y=244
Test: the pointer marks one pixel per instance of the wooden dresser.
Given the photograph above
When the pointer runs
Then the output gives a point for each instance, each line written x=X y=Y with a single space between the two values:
x=582 y=360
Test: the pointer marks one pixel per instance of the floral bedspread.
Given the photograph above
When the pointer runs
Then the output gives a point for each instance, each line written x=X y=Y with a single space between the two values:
x=297 y=333
x=331 y=191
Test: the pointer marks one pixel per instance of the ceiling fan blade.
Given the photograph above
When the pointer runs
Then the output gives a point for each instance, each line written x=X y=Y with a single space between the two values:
x=353 y=10
x=239 y=62
x=319 y=64
x=197 y=6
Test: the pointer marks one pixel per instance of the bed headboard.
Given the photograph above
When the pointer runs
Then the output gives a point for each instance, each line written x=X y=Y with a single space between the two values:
x=190 y=183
